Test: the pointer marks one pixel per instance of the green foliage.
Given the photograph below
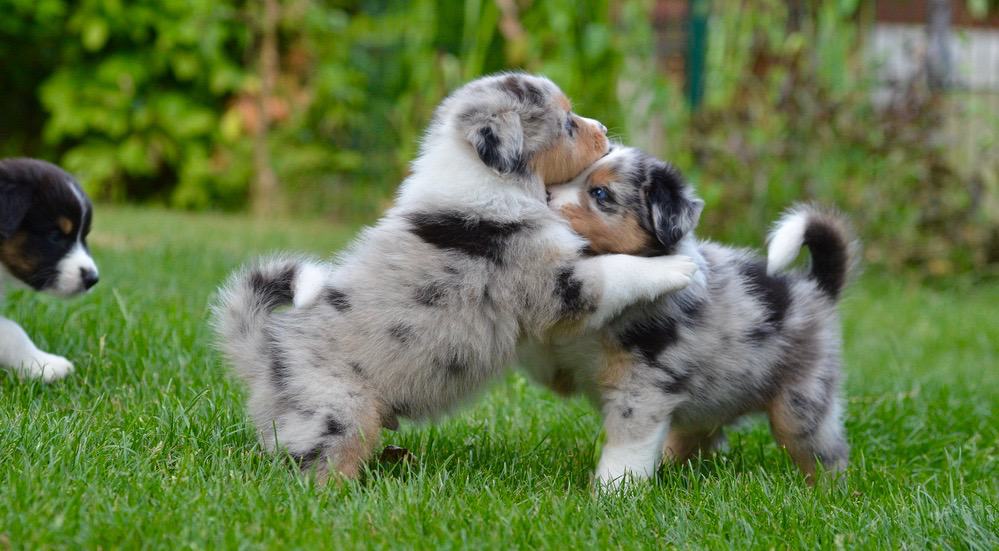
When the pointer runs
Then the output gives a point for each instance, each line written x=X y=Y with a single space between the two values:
x=159 y=101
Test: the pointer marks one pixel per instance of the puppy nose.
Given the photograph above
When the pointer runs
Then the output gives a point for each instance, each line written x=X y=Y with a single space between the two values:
x=88 y=277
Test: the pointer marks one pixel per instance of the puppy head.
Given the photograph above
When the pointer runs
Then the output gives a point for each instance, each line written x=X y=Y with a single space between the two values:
x=629 y=203
x=523 y=125
x=44 y=222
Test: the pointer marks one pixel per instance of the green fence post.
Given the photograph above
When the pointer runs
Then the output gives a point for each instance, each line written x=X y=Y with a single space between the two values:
x=697 y=46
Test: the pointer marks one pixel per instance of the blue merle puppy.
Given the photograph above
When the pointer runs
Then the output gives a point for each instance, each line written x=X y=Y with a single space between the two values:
x=428 y=306
x=746 y=336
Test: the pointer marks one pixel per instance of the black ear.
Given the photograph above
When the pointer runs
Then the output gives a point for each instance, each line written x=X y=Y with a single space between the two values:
x=499 y=141
x=673 y=208
x=15 y=200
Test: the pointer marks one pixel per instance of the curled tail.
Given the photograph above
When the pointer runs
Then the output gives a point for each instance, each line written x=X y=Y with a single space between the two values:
x=834 y=248
x=250 y=295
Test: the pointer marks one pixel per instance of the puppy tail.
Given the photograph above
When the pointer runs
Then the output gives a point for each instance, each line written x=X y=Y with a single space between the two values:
x=247 y=299
x=830 y=239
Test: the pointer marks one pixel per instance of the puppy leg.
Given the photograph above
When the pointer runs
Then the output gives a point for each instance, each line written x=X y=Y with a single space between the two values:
x=683 y=444
x=328 y=427
x=636 y=421
x=18 y=352
x=616 y=281
x=806 y=419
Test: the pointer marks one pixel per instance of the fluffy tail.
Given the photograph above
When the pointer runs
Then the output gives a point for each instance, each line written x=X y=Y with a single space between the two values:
x=250 y=295
x=830 y=239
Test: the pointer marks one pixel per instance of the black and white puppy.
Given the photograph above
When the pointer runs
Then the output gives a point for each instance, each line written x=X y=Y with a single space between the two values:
x=745 y=336
x=44 y=221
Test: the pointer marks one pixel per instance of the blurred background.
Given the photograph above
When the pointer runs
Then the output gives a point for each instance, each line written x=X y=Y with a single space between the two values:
x=887 y=109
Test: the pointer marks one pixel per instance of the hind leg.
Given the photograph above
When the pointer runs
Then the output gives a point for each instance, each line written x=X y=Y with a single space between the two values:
x=332 y=430
x=806 y=419
x=683 y=444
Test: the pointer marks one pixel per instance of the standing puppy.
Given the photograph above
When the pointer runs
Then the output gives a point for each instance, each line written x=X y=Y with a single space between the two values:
x=428 y=305
x=44 y=221
x=745 y=336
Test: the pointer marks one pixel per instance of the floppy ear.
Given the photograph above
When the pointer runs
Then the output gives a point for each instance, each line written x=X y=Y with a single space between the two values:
x=498 y=138
x=15 y=201
x=673 y=207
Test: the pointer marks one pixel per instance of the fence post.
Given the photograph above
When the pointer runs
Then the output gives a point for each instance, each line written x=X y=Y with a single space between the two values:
x=697 y=45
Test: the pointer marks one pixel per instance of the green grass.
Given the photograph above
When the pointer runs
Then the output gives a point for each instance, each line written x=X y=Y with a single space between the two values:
x=147 y=445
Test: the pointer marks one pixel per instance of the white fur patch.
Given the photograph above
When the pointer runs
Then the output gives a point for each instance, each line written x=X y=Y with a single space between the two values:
x=69 y=280
x=785 y=241
x=308 y=285
x=628 y=279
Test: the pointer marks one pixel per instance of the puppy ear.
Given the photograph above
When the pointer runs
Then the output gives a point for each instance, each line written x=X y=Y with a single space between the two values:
x=498 y=138
x=673 y=208
x=15 y=200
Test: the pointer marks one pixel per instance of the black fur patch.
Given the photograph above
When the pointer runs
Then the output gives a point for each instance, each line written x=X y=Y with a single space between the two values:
x=273 y=291
x=523 y=90
x=306 y=459
x=677 y=381
x=773 y=293
x=627 y=413
x=401 y=332
x=356 y=368
x=338 y=299
x=669 y=206
x=570 y=291
x=650 y=336
x=333 y=427
x=432 y=294
x=692 y=309
x=452 y=365
x=829 y=256
x=453 y=231
x=278 y=363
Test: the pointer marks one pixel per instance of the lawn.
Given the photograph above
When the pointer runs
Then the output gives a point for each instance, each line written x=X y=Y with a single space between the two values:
x=147 y=444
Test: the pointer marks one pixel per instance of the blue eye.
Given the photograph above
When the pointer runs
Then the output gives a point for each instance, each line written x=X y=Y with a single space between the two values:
x=599 y=193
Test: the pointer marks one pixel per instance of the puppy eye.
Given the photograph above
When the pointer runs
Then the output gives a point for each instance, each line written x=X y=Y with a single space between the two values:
x=570 y=124
x=55 y=236
x=599 y=193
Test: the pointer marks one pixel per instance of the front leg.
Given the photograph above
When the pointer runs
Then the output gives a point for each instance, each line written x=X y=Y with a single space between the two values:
x=616 y=281
x=18 y=352
x=635 y=425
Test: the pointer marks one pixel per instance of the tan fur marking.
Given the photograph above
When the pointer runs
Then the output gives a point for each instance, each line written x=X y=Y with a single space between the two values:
x=65 y=225
x=782 y=425
x=567 y=157
x=617 y=364
x=564 y=102
x=618 y=235
x=681 y=446
x=12 y=255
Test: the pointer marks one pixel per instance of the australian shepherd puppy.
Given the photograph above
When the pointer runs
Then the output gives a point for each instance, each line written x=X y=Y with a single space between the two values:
x=745 y=336
x=428 y=305
x=44 y=221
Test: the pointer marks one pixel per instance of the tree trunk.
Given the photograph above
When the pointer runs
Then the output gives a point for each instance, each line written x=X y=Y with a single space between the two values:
x=266 y=193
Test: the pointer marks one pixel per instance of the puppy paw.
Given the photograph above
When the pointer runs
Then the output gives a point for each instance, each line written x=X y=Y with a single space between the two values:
x=47 y=367
x=677 y=272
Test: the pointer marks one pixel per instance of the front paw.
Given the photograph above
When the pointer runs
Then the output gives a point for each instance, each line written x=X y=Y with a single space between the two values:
x=677 y=272
x=47 y=367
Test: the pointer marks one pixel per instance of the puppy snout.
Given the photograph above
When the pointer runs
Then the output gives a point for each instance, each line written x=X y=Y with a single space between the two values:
x=598 y=125
x=88 y=277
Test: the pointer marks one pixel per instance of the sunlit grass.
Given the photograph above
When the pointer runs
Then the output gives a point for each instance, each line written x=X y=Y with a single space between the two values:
x=147 y=443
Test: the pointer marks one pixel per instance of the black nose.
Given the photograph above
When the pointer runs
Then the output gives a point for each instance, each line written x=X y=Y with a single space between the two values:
x=89 y=277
